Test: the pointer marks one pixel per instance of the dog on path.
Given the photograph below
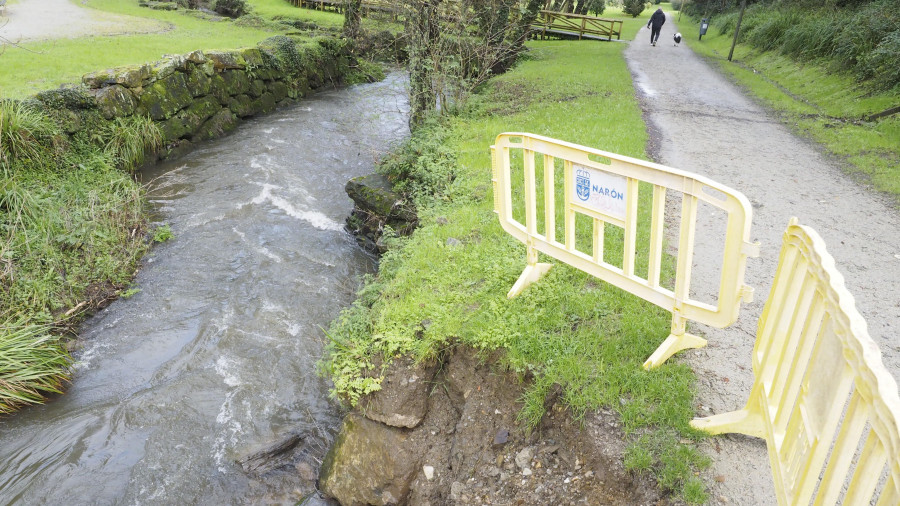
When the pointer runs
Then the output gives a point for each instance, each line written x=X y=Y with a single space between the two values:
x=677 y=38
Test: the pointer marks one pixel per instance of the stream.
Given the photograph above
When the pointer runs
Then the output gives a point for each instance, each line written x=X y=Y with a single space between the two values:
x=215 y=355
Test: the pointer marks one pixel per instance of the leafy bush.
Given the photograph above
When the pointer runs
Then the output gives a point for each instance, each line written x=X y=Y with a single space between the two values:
x=231 y=8
x=634 y=7
x=423 y=167
x=596 y=7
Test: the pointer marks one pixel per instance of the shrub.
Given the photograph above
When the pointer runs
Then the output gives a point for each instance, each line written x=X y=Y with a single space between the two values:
x=231 y=8
x=634 y=7
x=596 y=7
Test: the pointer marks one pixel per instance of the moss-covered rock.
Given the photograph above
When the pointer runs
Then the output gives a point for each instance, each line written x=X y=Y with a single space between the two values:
x=221 y=123
x=224 y=60
x=198 y=82
x=242 y=105
x=115 y=101
x=130 y=76
x=166 y=97
x=280 y=90
x=236 y=81
x=257 y=88
x=173 y=129
x=219 y=89
x=265 y=103
x=196 y=57
x=168 y=66
x=377 y=205
x=67 y=97
x=201 y=110
x=252 y=57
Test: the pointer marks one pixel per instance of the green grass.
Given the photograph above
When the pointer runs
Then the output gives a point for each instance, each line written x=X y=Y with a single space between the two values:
x=815 y=101
x=568 y=329
x=38 y=66
x=33 y=363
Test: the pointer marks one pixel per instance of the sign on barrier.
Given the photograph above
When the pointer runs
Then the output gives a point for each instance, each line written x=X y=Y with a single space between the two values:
x=821 y=397
x=605 y=188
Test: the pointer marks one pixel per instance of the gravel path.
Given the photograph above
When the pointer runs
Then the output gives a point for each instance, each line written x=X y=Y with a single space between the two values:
x=703 y=123
x=31 y=20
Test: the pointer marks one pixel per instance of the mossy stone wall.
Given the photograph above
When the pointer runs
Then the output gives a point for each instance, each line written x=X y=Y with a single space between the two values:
x=204 y=94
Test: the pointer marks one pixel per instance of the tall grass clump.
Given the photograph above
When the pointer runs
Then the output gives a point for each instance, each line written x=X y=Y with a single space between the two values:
x=860 y=45
x=33 y=363
x=813 y=37
x=24 y=131
x=131 y=139
x=863 y=40
x=769 y=33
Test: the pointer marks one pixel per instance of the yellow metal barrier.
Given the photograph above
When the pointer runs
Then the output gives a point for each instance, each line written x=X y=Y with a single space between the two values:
x=604 y=187
x=821 y=398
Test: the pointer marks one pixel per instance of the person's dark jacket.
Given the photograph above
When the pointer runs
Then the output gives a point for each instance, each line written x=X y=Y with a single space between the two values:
x=657 y=19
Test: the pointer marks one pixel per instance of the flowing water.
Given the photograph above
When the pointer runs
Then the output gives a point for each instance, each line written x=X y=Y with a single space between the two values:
x=216 y=355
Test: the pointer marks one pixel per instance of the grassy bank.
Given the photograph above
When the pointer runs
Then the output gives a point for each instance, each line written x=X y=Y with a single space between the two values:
x=830 y=107
x=447 y=284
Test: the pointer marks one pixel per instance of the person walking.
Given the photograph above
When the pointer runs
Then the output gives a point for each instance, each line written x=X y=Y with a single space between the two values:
x=658 y=19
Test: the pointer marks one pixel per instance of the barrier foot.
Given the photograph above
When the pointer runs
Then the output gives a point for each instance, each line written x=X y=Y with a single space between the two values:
x=531 y=274
x=743 y=421
x=672 y=345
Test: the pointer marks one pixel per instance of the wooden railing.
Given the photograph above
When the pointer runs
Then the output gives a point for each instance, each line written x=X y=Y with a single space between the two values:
x=338 y=5
x=564 y=24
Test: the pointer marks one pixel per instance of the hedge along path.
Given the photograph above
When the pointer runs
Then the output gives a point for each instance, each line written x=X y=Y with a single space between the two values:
x=701 y=122
x=31 y=20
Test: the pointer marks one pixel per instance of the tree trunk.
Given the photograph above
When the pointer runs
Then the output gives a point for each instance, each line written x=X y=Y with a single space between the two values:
x=423 y=32
x=352 y=17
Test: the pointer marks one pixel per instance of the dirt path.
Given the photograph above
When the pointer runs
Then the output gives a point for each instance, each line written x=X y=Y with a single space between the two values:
x=703 y=123
x=31 y=20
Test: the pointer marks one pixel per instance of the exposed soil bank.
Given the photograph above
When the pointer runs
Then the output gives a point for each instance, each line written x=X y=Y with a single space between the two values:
x=465 y=447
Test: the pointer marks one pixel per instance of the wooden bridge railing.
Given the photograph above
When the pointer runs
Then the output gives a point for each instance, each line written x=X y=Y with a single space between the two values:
x=338 y=5
x=561 y=23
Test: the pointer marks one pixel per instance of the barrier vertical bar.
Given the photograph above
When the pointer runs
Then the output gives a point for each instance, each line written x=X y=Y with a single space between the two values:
x=533 y=270
x=679 y=339
x=631 y=216
x=530 y=193
x=570 y=213
x=599 y=238
x=657 y=228
x=867 y=472
x=549 y=199
x=842 y=454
